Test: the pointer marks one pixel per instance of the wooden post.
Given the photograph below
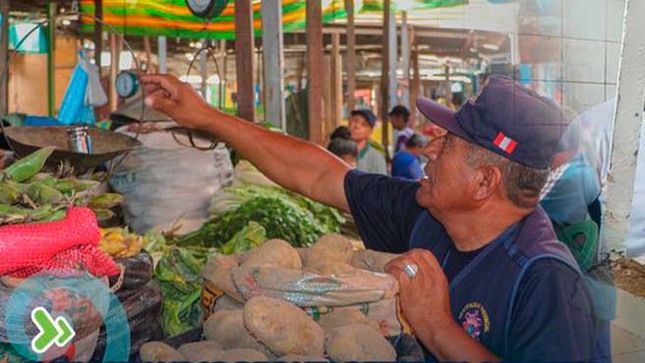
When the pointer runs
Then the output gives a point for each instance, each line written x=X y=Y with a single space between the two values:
x=393 y=53
x=147 y=48
x=244 y=44
x=351 y=56
x=405 y=59
x=221 y=59
x=51 y=45
x=336 y=82
x=203 y=68
x=114 y=66
x=315 y=69
x=273 y=63
x=378 y=100
x=98 y=33
x=416 y=82
x=448 y=86
x=4 y=54
x=328 y=94
x=627 y=130
x=385 y=70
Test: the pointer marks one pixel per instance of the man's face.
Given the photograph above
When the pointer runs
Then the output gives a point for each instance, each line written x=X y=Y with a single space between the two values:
x=360 y=128
x=397 y=122
x=449 y=178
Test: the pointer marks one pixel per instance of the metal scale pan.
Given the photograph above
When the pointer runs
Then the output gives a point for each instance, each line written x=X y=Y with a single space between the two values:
x=106 y=144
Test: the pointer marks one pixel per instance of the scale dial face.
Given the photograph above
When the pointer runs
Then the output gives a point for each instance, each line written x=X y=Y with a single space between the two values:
x=200 y=8
x=206 y=9
x=127 y=84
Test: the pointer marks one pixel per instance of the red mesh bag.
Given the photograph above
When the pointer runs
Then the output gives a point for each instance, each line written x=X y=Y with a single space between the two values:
x=34 y=247
x=85 y=258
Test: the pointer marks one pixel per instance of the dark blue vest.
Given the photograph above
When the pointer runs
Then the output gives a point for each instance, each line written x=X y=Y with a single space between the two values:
x=482 y=295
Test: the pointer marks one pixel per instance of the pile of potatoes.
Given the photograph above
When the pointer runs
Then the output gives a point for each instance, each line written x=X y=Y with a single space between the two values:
x=271 y=329
x=332 y=254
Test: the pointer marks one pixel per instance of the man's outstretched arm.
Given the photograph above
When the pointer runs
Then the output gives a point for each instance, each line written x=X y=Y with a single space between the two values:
x=295 y=164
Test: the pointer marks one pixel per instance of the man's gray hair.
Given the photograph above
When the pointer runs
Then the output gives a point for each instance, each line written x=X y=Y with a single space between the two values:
x=522 y=183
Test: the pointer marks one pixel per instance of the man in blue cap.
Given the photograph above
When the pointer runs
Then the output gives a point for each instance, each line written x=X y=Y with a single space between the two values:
x=361 y=125
x=483 y=277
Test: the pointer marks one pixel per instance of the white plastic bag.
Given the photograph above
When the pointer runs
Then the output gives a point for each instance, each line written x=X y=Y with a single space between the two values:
x=94 y=93
x=164 y=183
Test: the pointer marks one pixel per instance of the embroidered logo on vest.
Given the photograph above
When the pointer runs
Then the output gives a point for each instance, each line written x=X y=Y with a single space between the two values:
x=474 y=319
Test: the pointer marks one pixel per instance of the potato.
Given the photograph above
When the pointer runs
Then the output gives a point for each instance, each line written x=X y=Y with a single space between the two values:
x=200 y=351
x=335 y=268
x=227 y=303
x=300 y=358
x=330 y=247
x=272 y=253
x=283 y=327
x=226 y=328
x=338 y=318
x=372 y=260
x=217 y=273
x=159 y=352
x=241 y=355
x=358 y=343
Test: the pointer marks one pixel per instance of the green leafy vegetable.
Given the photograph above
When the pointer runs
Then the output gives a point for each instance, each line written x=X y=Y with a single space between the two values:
x=247 y=238
x=283 y=214
x=179 y=274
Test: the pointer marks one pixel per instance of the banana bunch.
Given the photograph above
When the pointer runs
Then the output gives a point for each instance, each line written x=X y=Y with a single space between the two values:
x=27 y=195
x=119 y=242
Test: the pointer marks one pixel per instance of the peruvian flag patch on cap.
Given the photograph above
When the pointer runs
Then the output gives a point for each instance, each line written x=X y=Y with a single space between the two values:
x=505 y=143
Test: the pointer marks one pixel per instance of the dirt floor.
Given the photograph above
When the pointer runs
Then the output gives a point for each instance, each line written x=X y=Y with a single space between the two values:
x=629 y=275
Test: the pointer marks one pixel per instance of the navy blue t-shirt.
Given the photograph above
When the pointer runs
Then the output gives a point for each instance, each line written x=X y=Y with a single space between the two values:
x=552 y=317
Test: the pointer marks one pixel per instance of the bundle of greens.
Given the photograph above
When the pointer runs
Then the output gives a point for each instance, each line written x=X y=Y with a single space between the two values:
x=179 y=274
x=281 y=213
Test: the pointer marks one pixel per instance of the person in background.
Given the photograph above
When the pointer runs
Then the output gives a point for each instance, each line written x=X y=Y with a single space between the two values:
x=342 y=145
x=361 y=125
x=406 y=162
x=400 y=116
x=341 y=132
x=570 y=192
x=345 y=149
x=573 y=184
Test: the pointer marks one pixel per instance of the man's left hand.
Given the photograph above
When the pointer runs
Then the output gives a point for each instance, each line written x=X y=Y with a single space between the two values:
x=425 y=299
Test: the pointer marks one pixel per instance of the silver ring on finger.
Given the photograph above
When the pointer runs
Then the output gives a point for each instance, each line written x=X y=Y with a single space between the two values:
x=411 y=270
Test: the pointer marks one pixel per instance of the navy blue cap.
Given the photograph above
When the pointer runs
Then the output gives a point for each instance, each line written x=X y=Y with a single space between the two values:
x=506 y=118
x=368 y=114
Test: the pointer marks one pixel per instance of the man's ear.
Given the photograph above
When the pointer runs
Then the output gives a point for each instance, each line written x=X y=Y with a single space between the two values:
x=488 y=182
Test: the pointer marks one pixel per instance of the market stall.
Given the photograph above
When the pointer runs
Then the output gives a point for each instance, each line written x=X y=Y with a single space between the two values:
x=155 y=242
